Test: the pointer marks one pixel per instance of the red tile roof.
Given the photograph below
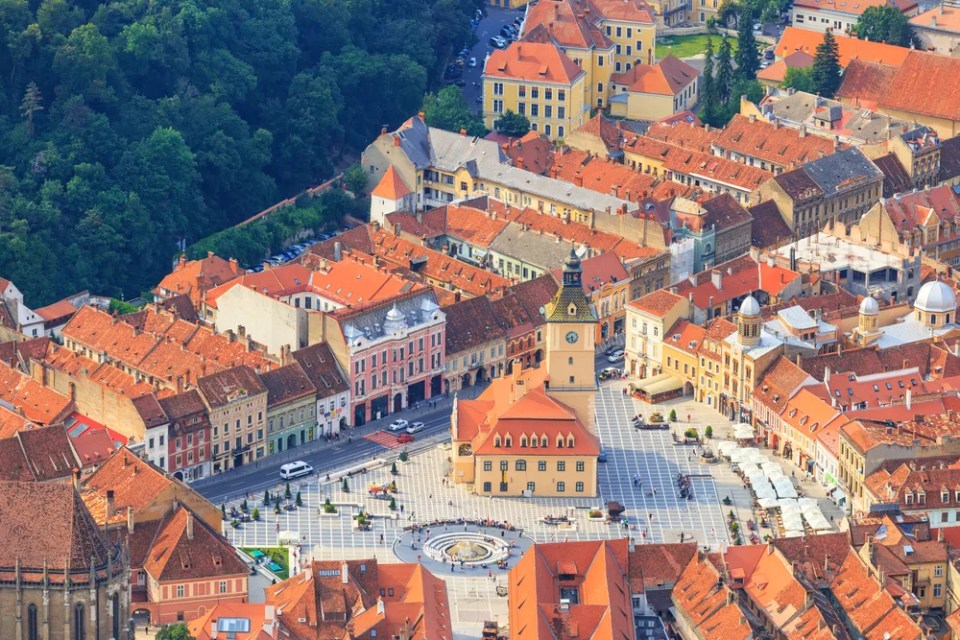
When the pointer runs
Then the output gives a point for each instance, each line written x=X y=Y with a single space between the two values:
x=739 y=277
x=533 y=62
x=186 y=548
x=855 y=7
x=39 y=404
x=391 y=186
x=669 y=77
x=194 y=277
x=708 y=608
x=796 y=39
x=783 y=146
x=563 y=22
x=659 y=303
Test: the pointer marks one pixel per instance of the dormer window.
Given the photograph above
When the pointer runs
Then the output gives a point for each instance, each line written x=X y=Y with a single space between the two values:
x=570 y=442
x=533 y=442
x=921 y=498
x=543 y=442
x=559 y=442
x=944 y=496
x=508 y=441
x=523 y=442
x=908 y=498
x=496 y=441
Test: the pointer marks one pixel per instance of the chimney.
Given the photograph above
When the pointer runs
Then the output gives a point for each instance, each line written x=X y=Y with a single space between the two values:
x=463 y=132
x=337 y=251
x=396 y=229
x=422 y=116
x=76 y=479
x=181 y=261
x=909 y=398
x=716 y=277
x=753 y=118
x=110 y=502
x=344 y=573
x=836 y=143
x=520 y=163
x=234 y=265
x=189 y=525
x=241 y=331
x=396 y=140
x=383 y=130
x=802 y=131
x=129 y=519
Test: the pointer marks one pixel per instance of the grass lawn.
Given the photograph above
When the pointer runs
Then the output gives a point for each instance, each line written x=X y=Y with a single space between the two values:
x=277 y=554
x=687 y=46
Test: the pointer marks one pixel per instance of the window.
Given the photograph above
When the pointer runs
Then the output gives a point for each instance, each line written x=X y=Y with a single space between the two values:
x=560 y=131
x=521 y=465
x=561 y=487
x=223 y=586
x=534 y=92
x=548 y=94
x=561 y=96
x=522 y=108
x=561 y=466
x=498 y=89
x=938 y=570
x=79 y=622
x=522 y=91
x=548 y=111
x=503 y=487
x=542 y=465
x=937 y=590
x=581 y=466
x=579 y=487
x=487 y=488
x=504 y=465
x=487 y=465
x=531 y=486
x=33 y=629
x=179 y=590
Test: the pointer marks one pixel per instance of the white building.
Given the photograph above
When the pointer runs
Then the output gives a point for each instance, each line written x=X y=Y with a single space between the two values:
x=840 y=16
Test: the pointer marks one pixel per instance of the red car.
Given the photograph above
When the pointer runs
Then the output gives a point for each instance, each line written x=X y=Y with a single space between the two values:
x=404 y=437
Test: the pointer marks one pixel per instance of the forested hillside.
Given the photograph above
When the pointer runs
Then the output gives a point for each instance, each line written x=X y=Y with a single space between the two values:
x=127 y=125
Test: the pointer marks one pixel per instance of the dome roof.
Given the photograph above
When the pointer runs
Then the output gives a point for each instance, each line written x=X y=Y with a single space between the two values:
x=750 y=307
x=869 y=307
x=936 y=297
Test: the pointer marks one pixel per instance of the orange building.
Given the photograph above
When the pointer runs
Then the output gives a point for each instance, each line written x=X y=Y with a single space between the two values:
x=193 y=278
x=362 y=599
x=572 y=590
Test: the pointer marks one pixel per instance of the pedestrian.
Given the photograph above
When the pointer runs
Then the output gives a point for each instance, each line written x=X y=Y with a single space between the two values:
x=451 y=567
x=502 y=531
x=490 y=574
x=381 y=538
x=401 y=508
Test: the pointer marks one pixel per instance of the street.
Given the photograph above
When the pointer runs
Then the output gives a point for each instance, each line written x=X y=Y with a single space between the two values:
x=489 y=26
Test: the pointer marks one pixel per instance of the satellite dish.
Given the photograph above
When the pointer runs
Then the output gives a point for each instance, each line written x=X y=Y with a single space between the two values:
x=543 y=311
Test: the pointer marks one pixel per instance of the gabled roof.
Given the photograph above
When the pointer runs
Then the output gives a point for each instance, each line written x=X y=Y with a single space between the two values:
x=564 y=23
x=708 y=608
x=533 y=62
x=320 y=365
x=855 y=7
x=658 y=303
x=783 y=146
x=777 y=71
x=286 y=384
x=186 y=548
x=193 y=277
x=895 y=177
x=918 y=86
x=224 y=387
x=669 y=77
x=796 y=39
x=865 y=82
x=134 y=482
x=738 y=277
x=768 y=228
x=471 y=323
x=39 y=404
x=391 y=186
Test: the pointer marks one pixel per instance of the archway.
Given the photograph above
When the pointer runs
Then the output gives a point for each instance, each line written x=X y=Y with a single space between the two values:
x=141 y=617
x=178 y=475
x=359 y=415
x=398 y=403
x=481 y=375
x=687 y=389
x=291 y=441
x=465 y=381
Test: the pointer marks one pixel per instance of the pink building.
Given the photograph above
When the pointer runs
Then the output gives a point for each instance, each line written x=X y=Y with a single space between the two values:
x=392 y=352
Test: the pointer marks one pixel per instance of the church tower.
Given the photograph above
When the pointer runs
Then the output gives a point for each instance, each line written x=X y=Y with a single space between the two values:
x=748 y=322
x=571 y=327
x=391 y=194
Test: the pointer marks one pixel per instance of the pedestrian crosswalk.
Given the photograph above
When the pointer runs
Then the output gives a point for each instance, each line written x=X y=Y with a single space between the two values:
x=384 y=438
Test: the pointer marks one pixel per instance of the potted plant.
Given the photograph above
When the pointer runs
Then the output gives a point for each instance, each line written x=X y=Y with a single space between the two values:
x=404 y=456
x=266 y=497
x=286 y=493
x=235 y=523
x=299 y=500
x=393 y=469
x=673 y=415
x=345 y=486
x=708 y=432
x=691 y=434
x=329 y=508
x=244 y=506
x=393 y=504
x=256 y=514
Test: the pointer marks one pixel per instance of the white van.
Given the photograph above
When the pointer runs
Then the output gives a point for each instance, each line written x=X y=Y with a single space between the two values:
x=295 y=470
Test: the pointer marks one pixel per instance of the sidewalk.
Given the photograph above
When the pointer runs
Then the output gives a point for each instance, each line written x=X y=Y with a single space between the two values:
x=423 y=412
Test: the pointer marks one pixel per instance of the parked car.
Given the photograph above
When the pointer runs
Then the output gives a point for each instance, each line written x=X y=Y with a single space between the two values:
x=612 y=350
x=768 y=53
x=398 y=425
x=416 y=427
x=616 y=356
x=295 y=470
x=610 y=372
x=472 y=63
x=403 y=438
x=758 y=28
x=464 y=52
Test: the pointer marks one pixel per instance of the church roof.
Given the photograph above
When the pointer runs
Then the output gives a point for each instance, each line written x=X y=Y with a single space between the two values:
x=391 y=186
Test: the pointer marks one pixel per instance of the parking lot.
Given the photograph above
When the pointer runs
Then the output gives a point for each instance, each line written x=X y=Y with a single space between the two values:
x=489 y=26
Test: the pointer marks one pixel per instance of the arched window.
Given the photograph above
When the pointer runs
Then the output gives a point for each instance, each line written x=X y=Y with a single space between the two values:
x=559 y=442
x=521 y=465
x=533 y=441
x=543 y=441
x=508 y=441
x=523 y=441
x=496 y=441
x=570 y=360
x=79 y=622
x=115 y=605
x=33 y=629
x=570 y=442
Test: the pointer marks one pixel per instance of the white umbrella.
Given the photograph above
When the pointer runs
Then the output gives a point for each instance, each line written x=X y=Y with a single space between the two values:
x=784 y=487
x=768 y=503
x=743 y=434
x=772 y=469
x=764 y=492
x=726 y=447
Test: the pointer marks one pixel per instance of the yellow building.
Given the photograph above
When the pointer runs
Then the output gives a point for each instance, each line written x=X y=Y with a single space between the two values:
x=538 y=81
x=602 y=37
x=654 y=92
x=531 y=432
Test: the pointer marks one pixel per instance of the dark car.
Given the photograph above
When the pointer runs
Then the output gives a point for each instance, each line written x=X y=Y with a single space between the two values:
x=602 y=457
x=768 y=54
x=507 y=32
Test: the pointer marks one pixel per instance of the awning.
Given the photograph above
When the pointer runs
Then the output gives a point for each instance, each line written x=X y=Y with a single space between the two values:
x=662 y=383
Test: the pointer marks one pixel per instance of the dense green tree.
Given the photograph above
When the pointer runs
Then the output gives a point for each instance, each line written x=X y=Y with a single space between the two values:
x=724 y=74
x=512 y=124
x=885 y=24
x=448 y=110
x=826 y=66
x=356 y=180
x=176 y=631
x=708 y=87
x=799 y=78
x=747 y=56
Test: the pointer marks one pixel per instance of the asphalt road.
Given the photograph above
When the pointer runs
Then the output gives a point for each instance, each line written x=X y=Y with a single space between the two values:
x=352 y=449
x=489 y=26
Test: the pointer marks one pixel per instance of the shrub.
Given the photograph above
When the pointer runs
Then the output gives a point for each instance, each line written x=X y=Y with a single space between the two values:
x=299 y=499
x=734 y=527
x=256 y=514
x=690 y=433
x=393 y=504
x=709 y=431
x=286 y=493
x=234 y=523
x=404 y=456
x=329 y=508
x=393 y=469
x=345 y=486
x=244 y=506
x=266 y=497
x=732 y=515
x=595 y=513
x=673 y=415
x=656 y=417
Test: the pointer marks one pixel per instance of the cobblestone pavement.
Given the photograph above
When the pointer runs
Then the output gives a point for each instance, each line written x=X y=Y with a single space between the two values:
x=424 y=495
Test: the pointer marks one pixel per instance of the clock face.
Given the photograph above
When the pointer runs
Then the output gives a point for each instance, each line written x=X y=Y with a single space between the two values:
x=572 y=337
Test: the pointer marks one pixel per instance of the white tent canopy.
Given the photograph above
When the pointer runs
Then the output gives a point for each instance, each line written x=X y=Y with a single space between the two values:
x=784 y=487
x=768 y=503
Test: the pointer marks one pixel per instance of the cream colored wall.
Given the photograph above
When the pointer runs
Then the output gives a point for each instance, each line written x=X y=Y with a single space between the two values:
x=572 y=103
x=267 y=321
x=639 y=32
x=648 y=106
x=545 y=480
x=382 y=153
x=602 y=69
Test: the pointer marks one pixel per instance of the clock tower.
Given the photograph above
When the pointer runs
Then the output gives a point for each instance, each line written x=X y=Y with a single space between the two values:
x=571 y=326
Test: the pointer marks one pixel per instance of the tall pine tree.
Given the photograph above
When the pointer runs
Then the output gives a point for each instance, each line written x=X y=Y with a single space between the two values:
x=826 y=66
x=708 y=87
x=724 y=77
x=747 y=56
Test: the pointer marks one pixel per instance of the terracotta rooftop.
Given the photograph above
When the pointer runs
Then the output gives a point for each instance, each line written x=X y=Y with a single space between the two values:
x=668 y=77
x=39 y=404
x=686 y=135
x=659 y=303
x=708 y=608
x=532 y=62
x=186 y=548
x=262 y=619
x=391 y=186
x=477 y=225
x=738 y=277
x=320 y=365
x=194 y=277
x=563 y=22
x=870 y=610
x=47 y=526
x=777 y=71
x=864 y=81
x=855 y=7
x=224 y=387
x=470 y=324
x=768 y=228
x=134 y=482
x=797 y=39
x=782 y=146
x=286 y=384
x=779 y=382
x=916 y=87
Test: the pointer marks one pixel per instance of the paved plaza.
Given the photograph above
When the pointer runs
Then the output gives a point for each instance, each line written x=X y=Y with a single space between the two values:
x=654 y=510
